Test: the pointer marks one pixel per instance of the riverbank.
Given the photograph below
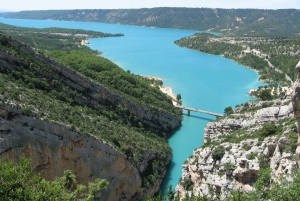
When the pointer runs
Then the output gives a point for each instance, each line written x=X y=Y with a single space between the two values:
x=235 y=147
x=255 y=53
x=85 y=42
x=165 y=89
x=169 y=92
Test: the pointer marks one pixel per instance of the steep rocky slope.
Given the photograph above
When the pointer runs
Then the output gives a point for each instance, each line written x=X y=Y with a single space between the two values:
x=39 y=97
x=54 y=148
x=237 y=146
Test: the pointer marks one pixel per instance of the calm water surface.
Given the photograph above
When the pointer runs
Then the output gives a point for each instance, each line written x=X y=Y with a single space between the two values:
x=204 y=81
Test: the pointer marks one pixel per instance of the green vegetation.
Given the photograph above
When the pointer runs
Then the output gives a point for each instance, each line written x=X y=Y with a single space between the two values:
x=218 y=153
x=49 y=39
x=109 y=74
x=254 y=52
x=63 y=46
x=265 y=189
x=228 y=110
x=241 y=22
x=19 y=182
x=266 y=130
x=270 y=92
x=187 y=184
x=50 y=99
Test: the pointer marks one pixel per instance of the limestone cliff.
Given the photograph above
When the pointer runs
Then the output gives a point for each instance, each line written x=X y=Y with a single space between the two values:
x=237 y=146
x=55 y=148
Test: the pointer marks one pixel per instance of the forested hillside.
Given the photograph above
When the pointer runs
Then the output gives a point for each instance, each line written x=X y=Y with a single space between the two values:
x=274 y=58
x=49 y=39
x=134 y=117
x=65 y=46
x=242 y=22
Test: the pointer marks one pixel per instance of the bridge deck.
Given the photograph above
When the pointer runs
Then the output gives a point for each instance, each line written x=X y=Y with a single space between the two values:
x=197 y=110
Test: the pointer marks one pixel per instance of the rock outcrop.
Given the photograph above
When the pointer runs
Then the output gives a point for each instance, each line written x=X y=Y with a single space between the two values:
x=245 y=141
x=296 y=104
x=54 y=148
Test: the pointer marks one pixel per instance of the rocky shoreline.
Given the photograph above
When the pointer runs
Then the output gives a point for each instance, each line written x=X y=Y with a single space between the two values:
x=238 y=165
x=236 y=147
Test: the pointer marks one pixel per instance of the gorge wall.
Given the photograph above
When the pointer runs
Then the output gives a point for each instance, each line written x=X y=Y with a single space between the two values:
x=54 y=148
x=258 y=133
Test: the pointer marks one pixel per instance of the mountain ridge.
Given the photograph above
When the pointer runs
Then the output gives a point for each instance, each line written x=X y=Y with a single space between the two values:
x=239 y=22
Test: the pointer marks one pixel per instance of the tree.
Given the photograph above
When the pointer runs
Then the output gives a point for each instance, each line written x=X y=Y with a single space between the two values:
x=96 y=187
x=265 y=95
x=18 y=182
x=178 y=97
x=218 y=153
x=228 y=110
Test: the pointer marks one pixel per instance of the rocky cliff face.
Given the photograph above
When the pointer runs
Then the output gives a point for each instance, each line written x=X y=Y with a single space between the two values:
x=237 y=146
x=55 y=148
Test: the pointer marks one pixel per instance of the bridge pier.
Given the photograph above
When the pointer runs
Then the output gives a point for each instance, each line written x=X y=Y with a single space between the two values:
x=189 y=112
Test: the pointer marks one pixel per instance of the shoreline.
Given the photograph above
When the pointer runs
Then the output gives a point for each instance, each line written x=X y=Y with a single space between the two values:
x=85 y=42
x=165 y=89
x=169 y=92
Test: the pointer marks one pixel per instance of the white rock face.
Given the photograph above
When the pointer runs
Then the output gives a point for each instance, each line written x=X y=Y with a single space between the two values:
x=54 y=148
x=238 y=168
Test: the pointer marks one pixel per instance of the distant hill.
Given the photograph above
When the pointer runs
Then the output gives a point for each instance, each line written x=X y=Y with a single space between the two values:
x=5 y=11
x=239 y=22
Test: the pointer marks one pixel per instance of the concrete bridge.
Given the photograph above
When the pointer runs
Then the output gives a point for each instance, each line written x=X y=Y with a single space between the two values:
x=197 y=110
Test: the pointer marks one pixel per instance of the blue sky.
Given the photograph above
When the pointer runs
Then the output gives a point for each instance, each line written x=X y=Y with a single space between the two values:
x=17 y=5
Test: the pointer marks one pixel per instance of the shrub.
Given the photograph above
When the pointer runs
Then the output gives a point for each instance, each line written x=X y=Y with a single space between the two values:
x=251 y=156
x=267 y=130
x=27 y=111
x=218 y=152
x=187 y=184
x=25 y=185
x=293 y=138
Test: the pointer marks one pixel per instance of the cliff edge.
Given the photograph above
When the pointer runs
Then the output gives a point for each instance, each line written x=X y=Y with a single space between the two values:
x=258 y=134
x=61 y=119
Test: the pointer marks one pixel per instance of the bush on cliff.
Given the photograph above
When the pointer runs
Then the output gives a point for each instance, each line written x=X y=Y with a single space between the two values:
x=19 y=182
x=218 y=153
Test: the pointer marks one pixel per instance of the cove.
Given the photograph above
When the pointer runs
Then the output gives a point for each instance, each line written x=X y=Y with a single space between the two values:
x=204 y=81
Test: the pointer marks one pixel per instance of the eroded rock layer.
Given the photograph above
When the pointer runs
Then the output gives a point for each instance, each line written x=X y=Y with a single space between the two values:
x=237 y=146
x=54 y=148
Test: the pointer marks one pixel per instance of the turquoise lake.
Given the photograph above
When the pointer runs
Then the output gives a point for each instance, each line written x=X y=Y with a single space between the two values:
x=204 y=81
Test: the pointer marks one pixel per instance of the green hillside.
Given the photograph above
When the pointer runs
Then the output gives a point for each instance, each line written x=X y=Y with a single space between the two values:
x=282 y=53
x=241 y=22
x=33 y=82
